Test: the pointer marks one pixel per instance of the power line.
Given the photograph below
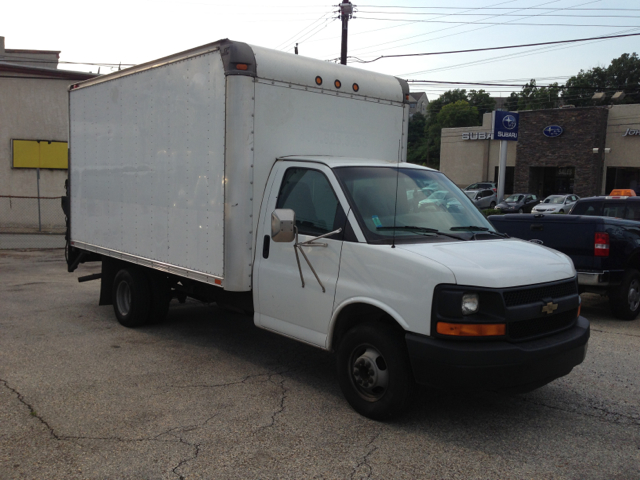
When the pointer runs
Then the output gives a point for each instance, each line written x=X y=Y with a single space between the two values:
x=447 y=28
x=503 y=8
x=286 y=42
x=501 y=48
x=497 y=23
x=484 y=15
x=508 y=56
x=487 y=26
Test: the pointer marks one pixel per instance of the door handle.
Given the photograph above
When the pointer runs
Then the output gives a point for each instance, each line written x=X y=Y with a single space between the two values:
x=266 y=243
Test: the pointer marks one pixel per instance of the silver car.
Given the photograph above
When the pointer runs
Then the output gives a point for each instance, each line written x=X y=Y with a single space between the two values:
x=556 y=204
x=482 y=198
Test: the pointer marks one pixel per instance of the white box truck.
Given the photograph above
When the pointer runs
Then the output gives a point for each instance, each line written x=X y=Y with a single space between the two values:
x=278 y=184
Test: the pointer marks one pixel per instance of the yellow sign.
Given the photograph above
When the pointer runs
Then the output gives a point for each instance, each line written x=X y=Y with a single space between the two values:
x=40 y=154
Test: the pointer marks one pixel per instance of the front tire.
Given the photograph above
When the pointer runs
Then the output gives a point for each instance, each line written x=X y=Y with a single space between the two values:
x=374 y=371
x=131 y=298
x=625 y=299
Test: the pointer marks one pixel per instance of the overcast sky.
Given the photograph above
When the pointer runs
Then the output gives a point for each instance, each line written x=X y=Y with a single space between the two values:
x=136 y=31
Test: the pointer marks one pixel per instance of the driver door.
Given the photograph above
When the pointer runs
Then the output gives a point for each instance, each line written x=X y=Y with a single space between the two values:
x=283 y=304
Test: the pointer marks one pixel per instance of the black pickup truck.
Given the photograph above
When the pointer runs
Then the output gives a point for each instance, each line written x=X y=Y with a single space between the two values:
x=604 y=250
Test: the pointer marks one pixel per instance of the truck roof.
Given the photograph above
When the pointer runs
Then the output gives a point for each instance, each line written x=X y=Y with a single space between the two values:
x=283 y=68
x=336 y=162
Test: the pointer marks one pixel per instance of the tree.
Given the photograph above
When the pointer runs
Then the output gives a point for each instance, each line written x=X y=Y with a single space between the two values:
x=458 y=114
x=454 y=108
x=533 y=97
x=623 y=74
x=482 y=101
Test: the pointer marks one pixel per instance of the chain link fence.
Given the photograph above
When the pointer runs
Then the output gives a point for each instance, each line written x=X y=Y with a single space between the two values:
x=31 y=222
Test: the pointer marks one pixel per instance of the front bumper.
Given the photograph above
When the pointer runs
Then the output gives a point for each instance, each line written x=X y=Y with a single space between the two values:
x=497 y=365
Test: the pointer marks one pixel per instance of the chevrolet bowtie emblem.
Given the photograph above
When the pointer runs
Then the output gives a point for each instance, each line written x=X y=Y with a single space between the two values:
x=549 y=307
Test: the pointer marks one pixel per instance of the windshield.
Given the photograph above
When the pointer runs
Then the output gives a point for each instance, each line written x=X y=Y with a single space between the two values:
x=554 y=199
x=372 y=195
x=514 y=198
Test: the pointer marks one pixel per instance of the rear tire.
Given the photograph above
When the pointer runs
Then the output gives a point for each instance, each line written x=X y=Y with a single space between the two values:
x=131 y=298
x=374 y=371
x=625 y=299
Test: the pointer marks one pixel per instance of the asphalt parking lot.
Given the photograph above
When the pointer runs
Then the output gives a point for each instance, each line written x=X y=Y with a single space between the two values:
x=208 y=395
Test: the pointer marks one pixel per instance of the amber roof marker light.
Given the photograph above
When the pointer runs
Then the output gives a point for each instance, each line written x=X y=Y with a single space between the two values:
x=356 y=87
x=318 y=80
x=337 y=83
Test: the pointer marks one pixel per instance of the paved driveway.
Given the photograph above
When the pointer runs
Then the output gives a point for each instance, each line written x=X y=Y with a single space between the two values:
x=208 y=395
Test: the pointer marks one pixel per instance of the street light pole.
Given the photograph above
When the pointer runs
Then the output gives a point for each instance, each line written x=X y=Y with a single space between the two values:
x=346 y=12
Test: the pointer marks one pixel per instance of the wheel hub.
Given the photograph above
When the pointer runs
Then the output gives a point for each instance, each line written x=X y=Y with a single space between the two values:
x=370 y=374
x=123 y=297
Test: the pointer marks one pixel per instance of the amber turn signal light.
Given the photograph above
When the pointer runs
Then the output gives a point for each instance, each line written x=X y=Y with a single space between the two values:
x=242 y=66
x=471 y=329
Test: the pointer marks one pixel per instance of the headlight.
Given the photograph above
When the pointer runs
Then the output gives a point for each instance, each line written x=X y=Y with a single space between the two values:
x=470 y=303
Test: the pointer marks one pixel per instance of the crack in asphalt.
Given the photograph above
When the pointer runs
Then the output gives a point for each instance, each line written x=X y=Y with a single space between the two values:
x=196 y=446
x=32 y=411
x=365 y=459
x=228 y=384
x=619 y=418
x=283 y=397
x=614 y=333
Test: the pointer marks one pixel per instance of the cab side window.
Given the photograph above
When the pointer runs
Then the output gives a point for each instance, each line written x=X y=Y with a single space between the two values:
x=309 y=194
x=587 y=208
x=613 y=209
x=633 y=211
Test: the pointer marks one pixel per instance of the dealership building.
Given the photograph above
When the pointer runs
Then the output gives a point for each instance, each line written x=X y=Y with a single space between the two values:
x=585 y=151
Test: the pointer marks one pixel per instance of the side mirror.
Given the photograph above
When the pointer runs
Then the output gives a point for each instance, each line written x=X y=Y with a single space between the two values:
x=283 y=221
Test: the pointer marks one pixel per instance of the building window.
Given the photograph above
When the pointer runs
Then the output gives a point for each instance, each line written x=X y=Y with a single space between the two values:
x=545 y=181
x=618 y=177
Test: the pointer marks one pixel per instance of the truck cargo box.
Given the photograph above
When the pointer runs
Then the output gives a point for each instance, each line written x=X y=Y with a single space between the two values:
x=169 y=159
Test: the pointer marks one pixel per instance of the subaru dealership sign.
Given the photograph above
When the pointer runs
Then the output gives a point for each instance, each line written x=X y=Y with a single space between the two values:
x=505 y=125
x=552 y=131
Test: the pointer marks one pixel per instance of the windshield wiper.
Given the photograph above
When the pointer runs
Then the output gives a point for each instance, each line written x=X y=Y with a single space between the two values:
x=420 y=230
x=474 y=228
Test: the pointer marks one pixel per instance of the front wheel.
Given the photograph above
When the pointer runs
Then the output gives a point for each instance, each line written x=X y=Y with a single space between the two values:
x=374 y=371
x=625 y=299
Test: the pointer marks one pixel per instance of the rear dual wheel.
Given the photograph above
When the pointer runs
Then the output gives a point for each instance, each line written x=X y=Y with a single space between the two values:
x=140 y=298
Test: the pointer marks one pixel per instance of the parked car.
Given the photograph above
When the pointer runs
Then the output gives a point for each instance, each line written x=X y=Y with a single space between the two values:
x=486 y=198
x=518 y=203
x=617 y=206
x=605 y=251
x=482 y=185
x=556 y=204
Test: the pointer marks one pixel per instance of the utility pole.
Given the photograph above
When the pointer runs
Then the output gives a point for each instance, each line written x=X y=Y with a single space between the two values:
x=346 y=13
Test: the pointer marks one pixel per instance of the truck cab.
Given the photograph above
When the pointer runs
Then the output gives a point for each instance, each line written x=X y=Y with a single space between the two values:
x=405 y=290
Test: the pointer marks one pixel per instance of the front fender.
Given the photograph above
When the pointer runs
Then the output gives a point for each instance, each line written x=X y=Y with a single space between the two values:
x=365 y=301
